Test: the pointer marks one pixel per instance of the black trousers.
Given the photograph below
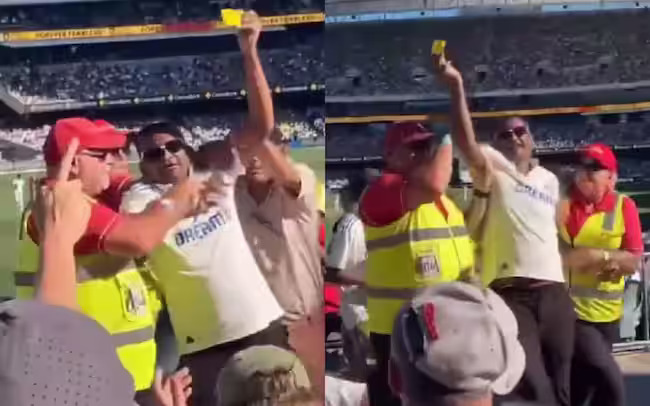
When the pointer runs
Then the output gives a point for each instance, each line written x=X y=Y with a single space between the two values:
x=546 y=331
x=379 y=392
x=595 y=374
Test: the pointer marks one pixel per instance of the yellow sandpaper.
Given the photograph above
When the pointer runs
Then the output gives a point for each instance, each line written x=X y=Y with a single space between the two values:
x=232 y=17
x=438 y=47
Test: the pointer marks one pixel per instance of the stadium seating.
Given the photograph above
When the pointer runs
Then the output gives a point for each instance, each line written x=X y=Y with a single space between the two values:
x=494 y=53
x=298 y=66
x=58 y=15
x=307 y=127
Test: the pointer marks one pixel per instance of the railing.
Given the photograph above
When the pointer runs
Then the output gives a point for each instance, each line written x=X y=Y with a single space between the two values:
x=643 y=343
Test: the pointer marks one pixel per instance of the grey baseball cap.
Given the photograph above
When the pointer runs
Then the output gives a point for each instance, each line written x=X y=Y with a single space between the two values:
x=457 y=338
x=244 y=378
x=54 y=356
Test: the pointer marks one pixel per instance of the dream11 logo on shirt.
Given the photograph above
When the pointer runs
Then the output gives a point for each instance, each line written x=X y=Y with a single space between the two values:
x=535 y=193
x=199 y=230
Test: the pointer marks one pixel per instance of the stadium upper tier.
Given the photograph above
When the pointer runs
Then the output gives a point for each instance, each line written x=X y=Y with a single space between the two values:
x=307 y=126
x=355 y=140
x=299 y=65
x=120 y=12
x=494 y=53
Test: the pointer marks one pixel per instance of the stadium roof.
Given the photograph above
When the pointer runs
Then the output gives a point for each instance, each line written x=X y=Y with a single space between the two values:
x=37 y=2
x=342 y=7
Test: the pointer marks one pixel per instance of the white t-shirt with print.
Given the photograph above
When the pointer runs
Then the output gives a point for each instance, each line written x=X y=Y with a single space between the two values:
x=347 y=248
x=520 y=236
x=214 y=290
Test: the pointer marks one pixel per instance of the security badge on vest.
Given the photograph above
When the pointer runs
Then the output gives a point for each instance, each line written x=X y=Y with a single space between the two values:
x=428 y=266
x=136 y=300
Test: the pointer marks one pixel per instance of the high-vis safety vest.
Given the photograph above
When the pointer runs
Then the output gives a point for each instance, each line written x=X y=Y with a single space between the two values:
x=121 y=302
x=594 y=300
x=420 y=249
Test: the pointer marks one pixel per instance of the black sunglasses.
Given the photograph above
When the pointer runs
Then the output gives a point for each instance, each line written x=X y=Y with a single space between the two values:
x=518 y=131
x=157 y=154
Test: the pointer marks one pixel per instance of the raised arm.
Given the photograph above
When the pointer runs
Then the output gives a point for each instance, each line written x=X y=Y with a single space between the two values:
x=461 y=119
x=261 y=119
x=62 y=212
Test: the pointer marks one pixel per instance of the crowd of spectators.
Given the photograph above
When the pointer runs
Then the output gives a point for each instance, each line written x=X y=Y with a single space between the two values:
x=89 y=80
x=306 y=127
x=114 y=12
x=355 y=142
x=494 y=53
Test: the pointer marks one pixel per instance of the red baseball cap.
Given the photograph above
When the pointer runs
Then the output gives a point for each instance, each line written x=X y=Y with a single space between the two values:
x=599 y=156
x=403 y=134
x=98 y=134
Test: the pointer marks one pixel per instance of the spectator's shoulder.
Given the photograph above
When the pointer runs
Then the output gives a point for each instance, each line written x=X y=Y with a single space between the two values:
x=383 y=200
x=629 y=205
x=139 y=195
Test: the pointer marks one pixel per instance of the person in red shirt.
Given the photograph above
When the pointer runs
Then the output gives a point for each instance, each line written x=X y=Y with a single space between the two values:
x=418 y=170
x=130 y=236
x=595 y=372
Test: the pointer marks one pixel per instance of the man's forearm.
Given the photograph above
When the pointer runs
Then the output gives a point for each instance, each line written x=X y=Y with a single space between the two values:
x=58 y=276
x=462 y=127
x=139 y=234
x=279 y=163
x=260 y=102
x=474 y=217
x=335 y=275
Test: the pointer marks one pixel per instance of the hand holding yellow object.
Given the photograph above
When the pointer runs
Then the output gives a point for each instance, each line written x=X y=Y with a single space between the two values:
x=232 y=17
x=438 y=47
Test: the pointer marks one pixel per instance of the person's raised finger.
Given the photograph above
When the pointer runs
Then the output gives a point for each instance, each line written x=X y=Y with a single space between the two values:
x=66 y=162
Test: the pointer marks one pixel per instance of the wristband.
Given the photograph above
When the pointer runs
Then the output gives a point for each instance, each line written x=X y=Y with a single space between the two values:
x=481 y=194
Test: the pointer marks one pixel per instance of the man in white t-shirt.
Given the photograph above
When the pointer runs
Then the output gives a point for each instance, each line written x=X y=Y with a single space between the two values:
x=217 y=298
x=346 y=259
x=516 y=218
x=19 y=186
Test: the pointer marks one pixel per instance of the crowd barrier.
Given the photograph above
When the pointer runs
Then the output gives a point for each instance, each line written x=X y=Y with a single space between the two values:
x=152 y=29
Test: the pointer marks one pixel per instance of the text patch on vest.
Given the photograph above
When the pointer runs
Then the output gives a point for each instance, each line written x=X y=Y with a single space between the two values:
x=427 y=266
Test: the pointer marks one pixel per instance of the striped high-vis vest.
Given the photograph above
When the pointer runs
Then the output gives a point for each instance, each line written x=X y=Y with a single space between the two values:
x=120 y=301
x=420 y=249
x=593 y=300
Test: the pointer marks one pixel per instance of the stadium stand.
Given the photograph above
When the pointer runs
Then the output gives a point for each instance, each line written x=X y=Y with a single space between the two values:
x=112 y=12
x=495 y=52
x=303 y=126
x=33 y=80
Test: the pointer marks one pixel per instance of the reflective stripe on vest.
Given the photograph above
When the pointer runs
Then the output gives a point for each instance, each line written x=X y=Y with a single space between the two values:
x=591 y=293
x=416 y=235
x=396 y=293
x=594 y=300
x=421 y=249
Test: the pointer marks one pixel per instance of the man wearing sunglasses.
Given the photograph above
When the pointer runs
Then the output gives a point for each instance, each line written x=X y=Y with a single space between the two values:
x=515 y=213
x=110 y=287
x=602 y=244
x=218 y=300
x=415 y=236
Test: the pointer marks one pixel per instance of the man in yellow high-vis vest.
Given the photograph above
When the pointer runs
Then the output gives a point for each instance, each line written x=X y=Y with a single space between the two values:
x=110 y=288
x=601 y=235
x=415 y=236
